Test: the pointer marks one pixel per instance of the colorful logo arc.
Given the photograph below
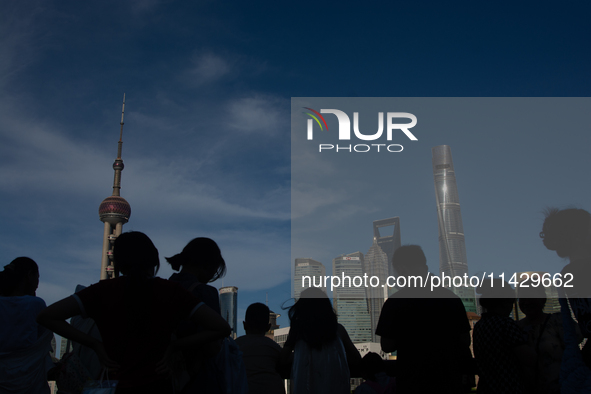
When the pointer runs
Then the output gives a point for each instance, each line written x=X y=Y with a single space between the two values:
x=316 y=119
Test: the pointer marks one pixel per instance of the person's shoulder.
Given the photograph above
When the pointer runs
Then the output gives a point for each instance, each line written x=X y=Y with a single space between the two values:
x=442 y=292
x=37 y=301
x=26 y=301
x=166 y=283
x=270 y=343
x=105 y=284
x=256 y=340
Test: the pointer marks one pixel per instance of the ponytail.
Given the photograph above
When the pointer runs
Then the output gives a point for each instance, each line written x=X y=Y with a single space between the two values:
x=176 y=261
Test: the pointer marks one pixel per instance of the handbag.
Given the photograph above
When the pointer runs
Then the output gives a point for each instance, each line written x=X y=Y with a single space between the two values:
x=102 y=386
x=70 y=374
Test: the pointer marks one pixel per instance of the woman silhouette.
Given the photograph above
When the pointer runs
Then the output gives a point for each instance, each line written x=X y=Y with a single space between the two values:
x=136 y=315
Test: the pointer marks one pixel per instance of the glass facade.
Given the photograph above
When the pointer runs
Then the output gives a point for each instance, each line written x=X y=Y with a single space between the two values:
x=308 y=267
x=350 y=301
x=376 y=264
x=229 y=307
x=452 y=247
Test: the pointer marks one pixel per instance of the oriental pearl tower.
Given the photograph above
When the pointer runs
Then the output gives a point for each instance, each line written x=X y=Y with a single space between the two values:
x=114 y=211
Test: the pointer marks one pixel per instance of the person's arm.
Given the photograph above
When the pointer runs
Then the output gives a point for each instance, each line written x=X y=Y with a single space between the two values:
x=353 y=356
x=54 y=318
x=214 y=328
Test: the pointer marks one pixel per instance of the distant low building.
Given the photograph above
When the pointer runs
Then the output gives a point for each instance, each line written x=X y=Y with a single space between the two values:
x=280 y=335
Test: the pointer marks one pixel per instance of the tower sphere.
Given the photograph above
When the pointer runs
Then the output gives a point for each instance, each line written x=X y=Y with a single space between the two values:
x=118 y=165
x=114 y=209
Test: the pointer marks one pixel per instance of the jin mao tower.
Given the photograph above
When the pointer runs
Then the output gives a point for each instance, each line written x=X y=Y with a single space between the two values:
x=114 y=211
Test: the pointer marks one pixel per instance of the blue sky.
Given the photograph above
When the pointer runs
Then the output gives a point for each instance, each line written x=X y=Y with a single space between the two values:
x=207 y=125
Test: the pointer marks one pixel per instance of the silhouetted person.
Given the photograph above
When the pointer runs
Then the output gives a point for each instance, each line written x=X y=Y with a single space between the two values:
x=376 y=379
x=136 y=315
x=322 y=350
x=429 y=330
x=505 y=360
x=24 y=344
x=568 y=232
x=261 y=354
x=545 y=335
x=200 y=263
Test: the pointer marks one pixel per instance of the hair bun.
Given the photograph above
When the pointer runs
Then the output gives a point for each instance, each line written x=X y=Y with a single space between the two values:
x=175 y=261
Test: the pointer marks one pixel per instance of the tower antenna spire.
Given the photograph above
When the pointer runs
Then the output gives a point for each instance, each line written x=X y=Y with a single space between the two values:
x=118 y=165
x=121 y=131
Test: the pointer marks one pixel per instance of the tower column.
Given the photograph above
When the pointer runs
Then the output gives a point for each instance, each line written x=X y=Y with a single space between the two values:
x=106 y=247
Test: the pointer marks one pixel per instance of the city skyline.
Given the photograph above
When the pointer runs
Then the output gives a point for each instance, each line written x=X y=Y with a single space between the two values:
x=207 y=140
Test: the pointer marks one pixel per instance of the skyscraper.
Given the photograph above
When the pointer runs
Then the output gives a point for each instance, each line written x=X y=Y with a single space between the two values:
x=376 y=264
x=114 y=211
x=309 y=268
x=452 y=247
x=388 y=243
x=229 y=307
x=349 y=299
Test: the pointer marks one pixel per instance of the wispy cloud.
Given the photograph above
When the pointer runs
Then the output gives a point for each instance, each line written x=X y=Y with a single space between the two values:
x=258 y=114
x=207 y=68
x=18 y=38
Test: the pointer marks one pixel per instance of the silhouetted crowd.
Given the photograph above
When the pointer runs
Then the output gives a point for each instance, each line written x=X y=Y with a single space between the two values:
x=138 y=333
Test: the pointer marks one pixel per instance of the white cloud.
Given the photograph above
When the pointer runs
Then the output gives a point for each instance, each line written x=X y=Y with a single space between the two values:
x=207 y=68
x=258 y=114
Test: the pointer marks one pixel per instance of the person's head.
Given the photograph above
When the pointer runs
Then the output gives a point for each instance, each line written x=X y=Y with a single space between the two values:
x=567 y=231
x=256 y=320
x=372 y=364
x=203 y=257
x=20 y=277
x=532 y=300
x=497 y=297
x=312 y=318
x=410 y=260
x=134 y=254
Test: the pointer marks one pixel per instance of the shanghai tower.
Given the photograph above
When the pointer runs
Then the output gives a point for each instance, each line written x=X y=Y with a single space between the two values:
x=452 y=247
